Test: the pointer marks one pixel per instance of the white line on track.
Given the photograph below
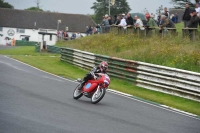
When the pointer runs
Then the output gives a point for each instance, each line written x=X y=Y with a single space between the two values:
x=123 y=94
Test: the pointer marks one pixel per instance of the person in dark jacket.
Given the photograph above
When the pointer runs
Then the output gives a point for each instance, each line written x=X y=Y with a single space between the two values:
x=129 y=19
x=186 y=15
x=118 y=20
x=193 y=23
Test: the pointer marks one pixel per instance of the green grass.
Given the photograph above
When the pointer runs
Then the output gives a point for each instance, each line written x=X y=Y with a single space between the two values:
x=52 y=64
x=171 y=51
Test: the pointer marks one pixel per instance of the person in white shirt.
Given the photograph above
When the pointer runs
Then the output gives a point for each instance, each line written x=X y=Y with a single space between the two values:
x=139 y=23
x=78 y=35
x=197 y=10
x=123 y=22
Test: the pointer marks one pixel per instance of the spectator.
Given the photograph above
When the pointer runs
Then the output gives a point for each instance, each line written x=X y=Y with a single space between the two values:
x=123 y=22
x=172 y=17
x=110 y=20
x=73 y=36
x=199 y=3
x=150 y=21
x=186 y=15
x=129 y=19
x=176 y=18
x=193 y=23
x=78 y=35
x=166 y=13
x=159 y=20
x=197 y=10
x=66 y=37
x=60 y=34
x=105 y=24
x=88 y=30
x=166 y=23
x=118 y=20
x=139 y=23
x=115 y=19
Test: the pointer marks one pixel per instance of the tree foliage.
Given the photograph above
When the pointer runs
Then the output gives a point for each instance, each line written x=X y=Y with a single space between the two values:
x=181 y=3
x=5 y=4
x=101 y=7
x=34 y=9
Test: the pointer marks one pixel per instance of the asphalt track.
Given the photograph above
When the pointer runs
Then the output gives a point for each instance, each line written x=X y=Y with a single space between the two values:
x=32 y=101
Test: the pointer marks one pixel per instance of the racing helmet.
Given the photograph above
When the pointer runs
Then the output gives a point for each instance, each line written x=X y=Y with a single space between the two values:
x=103 y=66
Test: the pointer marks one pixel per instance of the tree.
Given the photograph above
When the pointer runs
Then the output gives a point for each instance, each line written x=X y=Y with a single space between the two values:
x=101 y=7
x=5 y=4
x=159 y=10
x=37 y=8
x=181 y=3
x=144 y=11
x=34 y=9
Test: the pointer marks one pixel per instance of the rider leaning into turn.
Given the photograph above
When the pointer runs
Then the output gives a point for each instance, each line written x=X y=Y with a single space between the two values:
x=102 y=68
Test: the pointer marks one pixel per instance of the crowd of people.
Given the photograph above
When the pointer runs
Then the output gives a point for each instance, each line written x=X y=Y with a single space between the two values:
x=191 y=19
x=63 y=35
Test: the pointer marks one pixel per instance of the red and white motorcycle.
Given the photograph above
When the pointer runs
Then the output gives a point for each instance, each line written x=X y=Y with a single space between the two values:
x=94 y=89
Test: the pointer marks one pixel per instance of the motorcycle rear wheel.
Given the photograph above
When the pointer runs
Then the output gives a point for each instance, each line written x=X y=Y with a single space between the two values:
x=98 y=95
x=77 y=93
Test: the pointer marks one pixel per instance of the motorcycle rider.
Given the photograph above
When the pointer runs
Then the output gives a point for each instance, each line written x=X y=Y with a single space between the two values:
x=102 y=68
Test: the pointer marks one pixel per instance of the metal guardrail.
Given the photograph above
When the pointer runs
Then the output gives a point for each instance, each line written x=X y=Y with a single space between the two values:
x=25 y=43
x=155 y=31
x=154 y=77
x=53 y=49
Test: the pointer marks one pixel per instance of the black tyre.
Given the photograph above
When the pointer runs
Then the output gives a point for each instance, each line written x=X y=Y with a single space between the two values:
x=77 y=93
x=98 y=95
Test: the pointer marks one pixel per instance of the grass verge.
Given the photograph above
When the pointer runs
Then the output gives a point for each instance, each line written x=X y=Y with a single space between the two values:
x=51 y=63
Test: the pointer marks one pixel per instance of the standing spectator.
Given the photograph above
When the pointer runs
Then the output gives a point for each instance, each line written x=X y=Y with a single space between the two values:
x=129 y=19
x=110 y=20
x=166 y=13
x=197 y=10
x=139 y=23
x=60 y=34
x=105 y=24
x=186 y=15
x=199 y=3
x=123 y=22
x=193 y=23
x=88 y=30
x=159 y=20
x=115 y=19
x=176 y=18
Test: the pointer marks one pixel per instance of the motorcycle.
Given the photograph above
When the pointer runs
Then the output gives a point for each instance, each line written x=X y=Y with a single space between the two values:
x=94 y=89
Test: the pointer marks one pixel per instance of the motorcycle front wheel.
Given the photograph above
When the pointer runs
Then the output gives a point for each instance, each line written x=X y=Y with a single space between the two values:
x=77 y=92
x=98 y=95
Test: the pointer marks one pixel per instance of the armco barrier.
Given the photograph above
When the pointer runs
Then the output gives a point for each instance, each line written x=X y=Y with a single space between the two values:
x=159 y=78
x=25 y=43
x=53 y=49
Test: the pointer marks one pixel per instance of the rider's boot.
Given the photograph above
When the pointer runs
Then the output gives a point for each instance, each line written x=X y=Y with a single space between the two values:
x=82 y=84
